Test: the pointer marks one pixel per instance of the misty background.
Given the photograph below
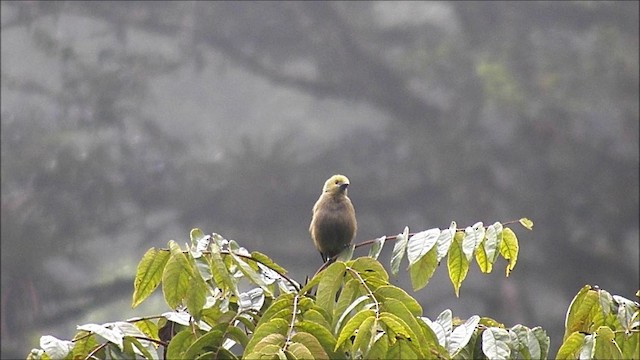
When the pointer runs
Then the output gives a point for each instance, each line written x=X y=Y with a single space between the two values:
x=126 y=124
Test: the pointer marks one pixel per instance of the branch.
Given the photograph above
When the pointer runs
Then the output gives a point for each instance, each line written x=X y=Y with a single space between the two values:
x=393 y=237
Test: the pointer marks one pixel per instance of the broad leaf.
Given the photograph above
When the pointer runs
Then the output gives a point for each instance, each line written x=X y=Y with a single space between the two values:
x=399 y=249
x=420 y=243
x=495 y=343
x=148 y=274
x=457 y=263
x=571 y=346
x=422 y=270
x=394 y=292
x=579 y=313
x=352 y=325
x=509 y=249
x=462 y=334
x=376 y=247
x=444 y=240
x=329 y=284
x=528 y=224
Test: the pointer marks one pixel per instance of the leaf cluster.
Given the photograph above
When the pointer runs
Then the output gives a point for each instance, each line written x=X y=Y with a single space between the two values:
x=348 y=310
x=601 y=326
x=427 y=248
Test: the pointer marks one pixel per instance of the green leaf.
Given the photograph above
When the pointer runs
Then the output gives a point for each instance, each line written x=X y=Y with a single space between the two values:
x=473 y=349
x=368 y=267
x=445 y=318
x=543 y=341
x=112 y=335
x=393 y=292
x=524 y=342
x=126 y=352
x=247 y=320
x=312 y=282
x=311 y=343
x=438 y=330
x=423 y=339
x=196 y=296
x=179 y=344
x=380 y=348
x=282 y=302
x=403 y=349
x=147 y=327
x=397 y=325
x=481 y=259
x=300 y=351
x=487 y=253
x=376 y=247
x=349 y=309
x=495 y=343
x=365 y=335
x=627 y=313
x=324 y=336
x=422 y=270
x=444 y=240
x=270 y=351
x=141 y=347
x=265 y=260
x=210 y=341
x=329 y=285
x=399 y=249
x=533 y=345
x=84 y=344
x=196 y=235
x=457 y=263
x=629 y=344
x=148 y=274
x=220 y=271
x=528 y=224
x=421 y=243
x=175 y=279
x=606 y=302
x=253 y=275
x=462 y=334
x=353 y=324
x=509 y=249
x=270 y=340
x=579 y=313
x=498 y=229
x=571 y=346
x=236 y=334
x=441 y=327
x=347 y=295
x=54 y=347
x=318 y=316
x=272 y=327
x=605 y=346
x=473 y=236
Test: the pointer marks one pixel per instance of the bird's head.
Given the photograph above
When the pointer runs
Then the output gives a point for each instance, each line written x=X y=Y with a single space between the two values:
x=336 y=184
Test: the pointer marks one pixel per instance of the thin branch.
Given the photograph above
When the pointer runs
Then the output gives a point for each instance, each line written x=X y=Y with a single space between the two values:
x=387 y=237
x=94 y=351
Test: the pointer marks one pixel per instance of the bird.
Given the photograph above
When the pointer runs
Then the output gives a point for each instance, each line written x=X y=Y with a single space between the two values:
x=333 y=222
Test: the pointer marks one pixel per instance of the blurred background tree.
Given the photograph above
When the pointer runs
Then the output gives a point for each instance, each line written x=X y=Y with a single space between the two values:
x=126 y=124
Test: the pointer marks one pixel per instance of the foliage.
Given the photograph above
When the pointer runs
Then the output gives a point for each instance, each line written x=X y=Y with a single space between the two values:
x=354 y=311
x=349 y=309
x=601 y=326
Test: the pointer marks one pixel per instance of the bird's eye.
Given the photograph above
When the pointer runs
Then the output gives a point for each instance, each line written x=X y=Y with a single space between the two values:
x=337 y=182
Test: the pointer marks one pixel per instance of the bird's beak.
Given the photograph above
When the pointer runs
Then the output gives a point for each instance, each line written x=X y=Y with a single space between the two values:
x=344 y=186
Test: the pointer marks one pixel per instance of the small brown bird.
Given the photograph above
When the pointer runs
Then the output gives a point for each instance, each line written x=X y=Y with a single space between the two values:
x=333 y=222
